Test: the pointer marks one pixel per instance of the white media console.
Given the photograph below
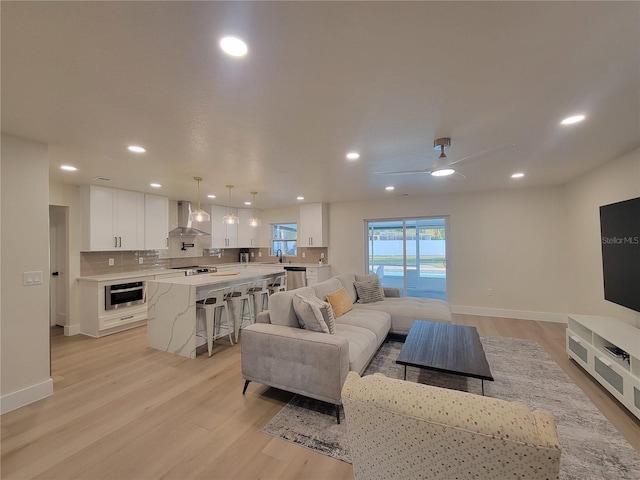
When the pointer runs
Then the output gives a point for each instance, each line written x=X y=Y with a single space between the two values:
x=609 y=350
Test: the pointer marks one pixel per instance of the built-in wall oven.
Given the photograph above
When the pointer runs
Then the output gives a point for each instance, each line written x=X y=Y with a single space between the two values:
x=123 y=295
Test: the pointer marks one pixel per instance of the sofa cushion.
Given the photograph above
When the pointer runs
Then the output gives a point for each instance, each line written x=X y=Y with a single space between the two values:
x=328 y=286
x=281 y=310
x=369 y=291
x=309 y=314
x=376 y=321
x=405 y=310
x=347 y=279
x=340 y=302
x=362 y=345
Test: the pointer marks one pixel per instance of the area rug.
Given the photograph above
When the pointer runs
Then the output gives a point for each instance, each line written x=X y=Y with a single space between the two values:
x=592 y=448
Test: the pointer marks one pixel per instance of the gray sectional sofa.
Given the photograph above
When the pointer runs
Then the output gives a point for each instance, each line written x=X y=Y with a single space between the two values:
x=278 y=353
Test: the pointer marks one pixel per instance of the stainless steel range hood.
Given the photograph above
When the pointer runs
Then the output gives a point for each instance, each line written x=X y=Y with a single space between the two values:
x=184 y=224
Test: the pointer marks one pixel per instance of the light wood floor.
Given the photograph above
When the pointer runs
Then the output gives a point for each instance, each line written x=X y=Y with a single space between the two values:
x=124 y=411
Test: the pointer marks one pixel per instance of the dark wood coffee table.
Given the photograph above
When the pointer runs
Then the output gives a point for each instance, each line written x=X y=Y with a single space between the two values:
x=445 y=348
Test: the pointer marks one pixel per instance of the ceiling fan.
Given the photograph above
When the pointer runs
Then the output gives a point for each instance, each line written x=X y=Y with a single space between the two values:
x=443 y=166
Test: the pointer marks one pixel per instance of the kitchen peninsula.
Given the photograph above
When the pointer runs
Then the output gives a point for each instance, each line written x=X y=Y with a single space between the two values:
x=171 y=323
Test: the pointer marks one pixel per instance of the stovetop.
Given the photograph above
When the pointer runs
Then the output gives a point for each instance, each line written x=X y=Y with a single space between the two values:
x=196 y=270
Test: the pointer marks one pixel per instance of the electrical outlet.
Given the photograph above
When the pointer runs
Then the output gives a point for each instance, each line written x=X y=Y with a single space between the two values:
x=140 y=260
x=252 y=254
x=219 y=255
x=259 y=254
x=321 y=254
x=111 y=262
x=490 y=291
x=304 y=255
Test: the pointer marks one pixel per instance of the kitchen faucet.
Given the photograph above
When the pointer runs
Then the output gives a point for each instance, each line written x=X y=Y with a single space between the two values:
x=279 y=255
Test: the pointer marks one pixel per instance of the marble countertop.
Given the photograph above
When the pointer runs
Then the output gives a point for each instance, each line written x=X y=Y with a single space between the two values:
x=227 y=276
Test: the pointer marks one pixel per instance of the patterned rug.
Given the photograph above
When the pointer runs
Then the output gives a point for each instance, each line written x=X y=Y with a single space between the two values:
x=591 y=447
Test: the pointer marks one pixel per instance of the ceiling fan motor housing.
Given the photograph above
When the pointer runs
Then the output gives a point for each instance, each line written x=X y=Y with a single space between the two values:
x=441 y=143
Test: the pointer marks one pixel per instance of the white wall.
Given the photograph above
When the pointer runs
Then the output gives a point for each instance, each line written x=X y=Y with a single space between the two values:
x=69 y=196
x=511 y=241
x=616 y=181
x=24 y=246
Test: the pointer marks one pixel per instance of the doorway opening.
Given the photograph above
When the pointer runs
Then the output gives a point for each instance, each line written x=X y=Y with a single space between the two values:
x=59 y=265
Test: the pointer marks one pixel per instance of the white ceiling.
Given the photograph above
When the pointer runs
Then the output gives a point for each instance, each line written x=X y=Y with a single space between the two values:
x=321 y=79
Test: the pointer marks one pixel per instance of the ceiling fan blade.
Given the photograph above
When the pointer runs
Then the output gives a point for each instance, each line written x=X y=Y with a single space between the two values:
x=403 y=172
x=498 y=148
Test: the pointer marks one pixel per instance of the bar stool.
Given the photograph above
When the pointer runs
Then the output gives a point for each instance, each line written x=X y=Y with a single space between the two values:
x=240 y=294
x=260 y=294
x=213 y=302
x=279 y=284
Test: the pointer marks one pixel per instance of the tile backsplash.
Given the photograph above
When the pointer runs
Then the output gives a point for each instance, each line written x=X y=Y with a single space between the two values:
x=97 y=263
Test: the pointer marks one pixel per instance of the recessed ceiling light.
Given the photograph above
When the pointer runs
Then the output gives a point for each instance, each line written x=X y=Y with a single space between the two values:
x=136 y=149
x=353 y=155
x=299 y=198
x=443 y=172
x=155 y=185
x=389 y=188
x=573 y=119
x=233 y=46
x=211 y=196
x=517 y=175
x=68 y=168
x=247 y=203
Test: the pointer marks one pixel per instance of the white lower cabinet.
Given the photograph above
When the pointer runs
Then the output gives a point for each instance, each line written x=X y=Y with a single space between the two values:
x=609 y=350
x=318 y=274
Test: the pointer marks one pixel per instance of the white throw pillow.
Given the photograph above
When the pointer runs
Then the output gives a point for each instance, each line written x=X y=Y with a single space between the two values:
x=309 y=314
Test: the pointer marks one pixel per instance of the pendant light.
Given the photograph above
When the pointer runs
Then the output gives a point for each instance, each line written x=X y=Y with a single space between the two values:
x=254 y=221
x=199 y=215
x=230 y=218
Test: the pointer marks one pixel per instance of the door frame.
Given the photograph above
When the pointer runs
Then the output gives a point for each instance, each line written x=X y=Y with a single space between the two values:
x=59 y=262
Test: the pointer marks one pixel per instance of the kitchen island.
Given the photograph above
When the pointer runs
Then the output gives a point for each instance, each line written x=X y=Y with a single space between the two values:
x=171 y=302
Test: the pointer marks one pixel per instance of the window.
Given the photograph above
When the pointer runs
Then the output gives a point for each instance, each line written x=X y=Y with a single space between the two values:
x=410 y=254
x=284 y=237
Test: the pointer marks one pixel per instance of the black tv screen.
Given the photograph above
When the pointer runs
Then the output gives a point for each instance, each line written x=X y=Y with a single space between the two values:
x=620 y=237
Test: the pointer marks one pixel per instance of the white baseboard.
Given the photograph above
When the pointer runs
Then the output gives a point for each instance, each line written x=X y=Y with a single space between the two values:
x=70 y=330
x=28 y=395
x=507 y=313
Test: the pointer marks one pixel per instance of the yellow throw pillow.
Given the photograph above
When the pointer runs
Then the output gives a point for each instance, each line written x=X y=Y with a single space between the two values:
x=340 y=302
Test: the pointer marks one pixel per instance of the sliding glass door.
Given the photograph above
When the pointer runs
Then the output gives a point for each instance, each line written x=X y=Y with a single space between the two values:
x=410 y=254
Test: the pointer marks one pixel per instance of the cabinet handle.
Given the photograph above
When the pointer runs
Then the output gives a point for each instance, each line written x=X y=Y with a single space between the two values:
x=120 y=238
x=167 y=241
x=575 y=339
x=115 y=242
x=127 y=318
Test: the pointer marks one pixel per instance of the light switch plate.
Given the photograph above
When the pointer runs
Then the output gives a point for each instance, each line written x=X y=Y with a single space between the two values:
x=32 y=278
x=140 y=260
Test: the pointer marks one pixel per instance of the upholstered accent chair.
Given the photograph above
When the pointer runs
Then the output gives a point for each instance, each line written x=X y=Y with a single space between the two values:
x=404 y=430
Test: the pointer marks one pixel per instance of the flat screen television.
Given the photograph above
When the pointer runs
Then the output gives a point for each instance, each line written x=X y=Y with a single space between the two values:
x=620 y=238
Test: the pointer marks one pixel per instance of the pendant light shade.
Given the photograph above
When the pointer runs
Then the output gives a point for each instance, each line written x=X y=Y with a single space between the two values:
x=230 y=218
x=199 y=215
x=254 y=221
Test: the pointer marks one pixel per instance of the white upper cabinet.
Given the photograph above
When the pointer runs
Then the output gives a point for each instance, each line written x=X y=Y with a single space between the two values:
x=223 y=235
x=156 y=222
x=248 y=236
x=314 y=225
x=111 y=219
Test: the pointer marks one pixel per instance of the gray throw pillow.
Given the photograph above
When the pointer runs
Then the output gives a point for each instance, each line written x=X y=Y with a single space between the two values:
x=369 y=291
x=309 y=314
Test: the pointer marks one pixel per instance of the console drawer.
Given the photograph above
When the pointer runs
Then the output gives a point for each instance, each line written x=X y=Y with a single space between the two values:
x=607 y=373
